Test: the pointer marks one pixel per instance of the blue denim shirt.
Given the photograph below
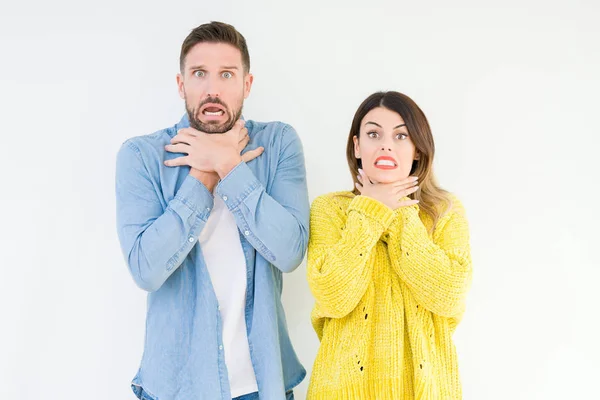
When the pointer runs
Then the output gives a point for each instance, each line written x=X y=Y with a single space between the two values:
x=160 y=214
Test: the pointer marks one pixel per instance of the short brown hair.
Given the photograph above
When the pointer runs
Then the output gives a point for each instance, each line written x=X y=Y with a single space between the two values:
x=215 y=32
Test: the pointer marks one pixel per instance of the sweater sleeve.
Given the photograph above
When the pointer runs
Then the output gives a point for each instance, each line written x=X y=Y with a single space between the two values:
x=437 y=269
x=341 y=241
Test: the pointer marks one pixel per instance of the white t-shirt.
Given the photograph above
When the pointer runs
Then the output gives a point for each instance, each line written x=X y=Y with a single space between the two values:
x=224 y=258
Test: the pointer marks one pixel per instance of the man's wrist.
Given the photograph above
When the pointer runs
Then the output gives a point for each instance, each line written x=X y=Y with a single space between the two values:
x=225 y=167
x=208 y=179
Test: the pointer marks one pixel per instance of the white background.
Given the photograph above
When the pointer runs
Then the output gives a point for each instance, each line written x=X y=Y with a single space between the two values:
x=510 y=89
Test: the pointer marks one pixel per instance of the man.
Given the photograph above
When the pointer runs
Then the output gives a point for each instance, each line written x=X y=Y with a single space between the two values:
x=210 y=212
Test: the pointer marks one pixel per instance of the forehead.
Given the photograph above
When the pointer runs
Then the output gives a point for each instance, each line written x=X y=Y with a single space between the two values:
x=385 y=117
x=213 y=55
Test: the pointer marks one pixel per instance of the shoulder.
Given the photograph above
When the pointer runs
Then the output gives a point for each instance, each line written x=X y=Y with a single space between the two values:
x=333 y=201
x=455 y=207
x=274 y=133
x=149 y=145
x=454 y=218
x=272 y=127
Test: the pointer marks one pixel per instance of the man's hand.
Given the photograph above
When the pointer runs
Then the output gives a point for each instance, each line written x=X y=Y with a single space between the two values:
x=244 y=140
x=211 y=153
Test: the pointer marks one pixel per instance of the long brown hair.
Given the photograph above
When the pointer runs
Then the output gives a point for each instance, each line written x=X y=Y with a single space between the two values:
x=433 y=200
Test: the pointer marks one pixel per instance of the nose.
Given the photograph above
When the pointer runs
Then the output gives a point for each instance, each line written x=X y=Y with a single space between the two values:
x=212 y=88
x=387 y=143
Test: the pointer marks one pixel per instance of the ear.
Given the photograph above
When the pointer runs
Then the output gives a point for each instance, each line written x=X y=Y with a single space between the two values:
x=417 y=155
x=356 y=147
x=180 y=86
x=248 y=79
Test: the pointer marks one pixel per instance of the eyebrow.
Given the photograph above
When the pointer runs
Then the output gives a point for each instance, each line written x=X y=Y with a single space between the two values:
x=204 y=67
x=376 y=124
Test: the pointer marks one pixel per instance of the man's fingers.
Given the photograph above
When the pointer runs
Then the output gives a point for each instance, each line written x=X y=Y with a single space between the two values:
x=243 y=133
x=252 y=154
x=182 y=138
x=237 y=127
x=188 y=132
x=177 y=162
x=243 y=142
x=178 y=148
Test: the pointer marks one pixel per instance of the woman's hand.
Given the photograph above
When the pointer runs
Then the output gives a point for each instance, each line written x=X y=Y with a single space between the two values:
x=390 y=194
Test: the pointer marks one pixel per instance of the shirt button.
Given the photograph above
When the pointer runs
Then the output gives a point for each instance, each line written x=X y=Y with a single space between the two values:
x=219 y=308
x=221 y=347
x=191 y=239
x=208 y=209
x=224 y=198
x=246 y=233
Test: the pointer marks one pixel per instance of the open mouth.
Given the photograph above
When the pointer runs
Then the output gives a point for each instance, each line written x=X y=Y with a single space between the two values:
x=212 y=110
x=386 y=163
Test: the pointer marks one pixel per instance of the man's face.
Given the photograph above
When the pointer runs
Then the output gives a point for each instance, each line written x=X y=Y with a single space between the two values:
x=214 y=86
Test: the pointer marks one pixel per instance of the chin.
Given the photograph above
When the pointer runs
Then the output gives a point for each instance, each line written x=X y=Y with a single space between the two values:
x=386 y=176
x=213 y=127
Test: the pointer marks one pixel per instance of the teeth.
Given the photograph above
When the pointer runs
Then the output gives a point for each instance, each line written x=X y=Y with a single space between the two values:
x=213 y=113
x=386 y=163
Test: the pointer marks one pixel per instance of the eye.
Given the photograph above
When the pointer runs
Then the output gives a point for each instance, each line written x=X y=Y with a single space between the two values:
x=373 y=135
x=402 y=136
x=199 y=74
x=227 y=75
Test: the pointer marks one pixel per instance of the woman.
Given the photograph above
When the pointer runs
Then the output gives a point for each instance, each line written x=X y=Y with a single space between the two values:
x=389 y=265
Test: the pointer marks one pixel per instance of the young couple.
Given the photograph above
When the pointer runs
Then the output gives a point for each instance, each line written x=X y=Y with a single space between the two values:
x=213 y=210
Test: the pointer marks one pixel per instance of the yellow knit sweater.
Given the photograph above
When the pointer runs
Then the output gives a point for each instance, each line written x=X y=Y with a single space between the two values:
x=388 y=297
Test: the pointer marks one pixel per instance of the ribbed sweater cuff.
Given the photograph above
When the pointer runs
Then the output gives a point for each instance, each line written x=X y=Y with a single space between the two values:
x=373 y=210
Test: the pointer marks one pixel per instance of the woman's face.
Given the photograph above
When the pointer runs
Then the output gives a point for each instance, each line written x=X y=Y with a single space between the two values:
x=385 y=147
